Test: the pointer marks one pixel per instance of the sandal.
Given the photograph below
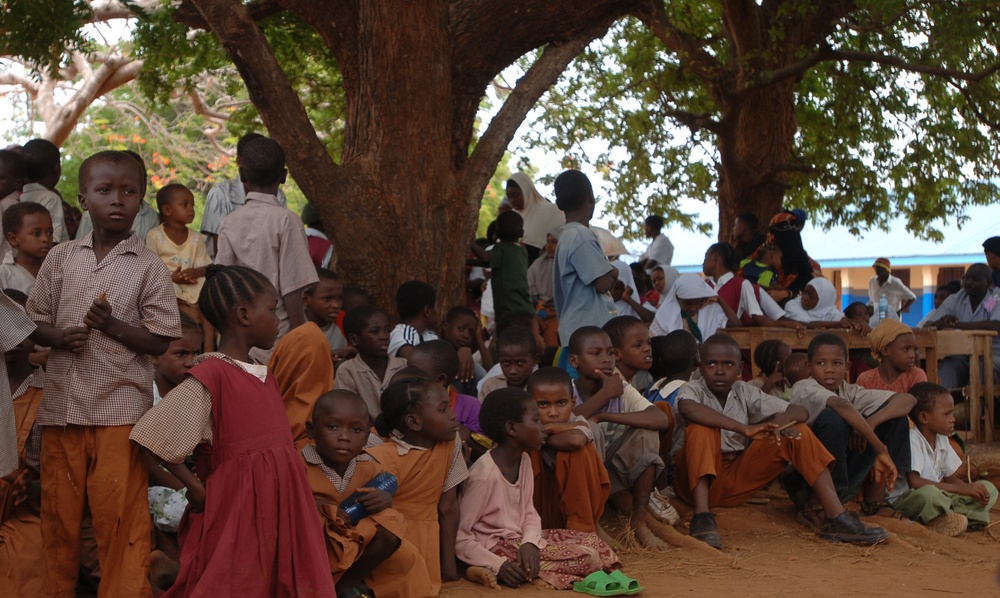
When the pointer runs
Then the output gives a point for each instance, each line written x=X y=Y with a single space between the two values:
x=599 y=583
x=630 y=585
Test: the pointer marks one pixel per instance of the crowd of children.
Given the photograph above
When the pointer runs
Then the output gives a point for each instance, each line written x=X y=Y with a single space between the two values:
x=248 y=424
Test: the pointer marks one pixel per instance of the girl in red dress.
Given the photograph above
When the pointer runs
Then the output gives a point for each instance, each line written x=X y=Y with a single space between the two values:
x=251 y=528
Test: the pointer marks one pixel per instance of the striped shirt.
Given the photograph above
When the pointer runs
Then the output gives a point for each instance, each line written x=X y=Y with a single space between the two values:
x=404 y=335
x=270 y=239
x=107 y=384
x=15 y=326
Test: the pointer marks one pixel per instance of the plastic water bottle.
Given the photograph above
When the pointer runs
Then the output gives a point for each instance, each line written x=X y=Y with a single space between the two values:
x=357 y=511
x=883 y=307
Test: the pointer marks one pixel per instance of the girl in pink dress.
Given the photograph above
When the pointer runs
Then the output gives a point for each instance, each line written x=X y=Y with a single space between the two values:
x=500 y=533
x=251 y=528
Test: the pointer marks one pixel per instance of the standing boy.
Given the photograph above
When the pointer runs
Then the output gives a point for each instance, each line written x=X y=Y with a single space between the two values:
x=105 y=305
x=266 y=237
x=734 y=439
x=42 y=170
x=582 y=276
x=629 y=425
x=508 y=264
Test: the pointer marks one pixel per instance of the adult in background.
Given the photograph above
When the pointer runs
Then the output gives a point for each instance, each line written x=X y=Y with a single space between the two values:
x=884 y=283
x=539 y=214
x=797 y=268
x=746 y=237
x=660 y=251
x=991 y=247
x=226 y=196
x=975 y=307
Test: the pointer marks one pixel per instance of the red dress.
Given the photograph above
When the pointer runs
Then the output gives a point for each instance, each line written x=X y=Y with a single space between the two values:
x=260 y=533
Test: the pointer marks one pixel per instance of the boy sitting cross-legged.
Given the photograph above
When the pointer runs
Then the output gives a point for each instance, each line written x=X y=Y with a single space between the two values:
x=863 y=429
x=571 y=482
x=932 y=494
x=627 y=434
x=717 y=466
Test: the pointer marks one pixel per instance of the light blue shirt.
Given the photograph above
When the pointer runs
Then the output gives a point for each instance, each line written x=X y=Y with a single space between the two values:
x=579 y=262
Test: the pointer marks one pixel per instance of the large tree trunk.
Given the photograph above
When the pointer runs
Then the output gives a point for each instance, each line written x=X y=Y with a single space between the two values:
x=755 y=144
x=403 y=203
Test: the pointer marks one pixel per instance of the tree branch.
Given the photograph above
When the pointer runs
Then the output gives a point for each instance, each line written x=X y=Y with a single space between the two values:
x=895 y=61
x=695 y=121
x=529 y=88
x=107 y=10
x=689 y=49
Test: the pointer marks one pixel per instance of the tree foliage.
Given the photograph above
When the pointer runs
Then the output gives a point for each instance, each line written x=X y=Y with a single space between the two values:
x=894 y=109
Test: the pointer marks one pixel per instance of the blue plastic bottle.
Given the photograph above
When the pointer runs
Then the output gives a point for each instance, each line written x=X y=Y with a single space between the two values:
x=355 y=510
x=883 y=307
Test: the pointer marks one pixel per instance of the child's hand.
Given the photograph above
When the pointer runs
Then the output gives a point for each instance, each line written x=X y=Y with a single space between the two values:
x=884 y=470
x=511 y=575
x=338 y=355
x=74 y=338
x=99 y=315
x=528 y=561
x=466 y=365
x=374 y=500
x=179 y=276
x=763 y=432
x=189 y=276
x=26 y=487
x=977 y=492
x=611 y=384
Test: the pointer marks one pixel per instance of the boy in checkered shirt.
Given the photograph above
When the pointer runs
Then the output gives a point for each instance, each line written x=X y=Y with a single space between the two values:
x=105 y=305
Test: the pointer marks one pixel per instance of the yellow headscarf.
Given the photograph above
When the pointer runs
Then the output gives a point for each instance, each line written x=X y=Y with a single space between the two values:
x=887 y=331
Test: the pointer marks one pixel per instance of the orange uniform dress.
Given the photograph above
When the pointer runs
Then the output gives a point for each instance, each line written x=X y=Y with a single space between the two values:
x=303 y=369
x=404 y=574
x=22 y=556
x=424 y=475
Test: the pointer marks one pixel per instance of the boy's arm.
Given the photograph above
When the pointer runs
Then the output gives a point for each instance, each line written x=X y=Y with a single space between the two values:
x=734 y=320
x=650 y=418
x=295 y=309
x=73 y=338
x=196 y=489
x=567 y=437
x=884 y=468
x=644 y=314
x=135 y=338
x=898 y=405
x=485 y=355
x=448 y=522
x=482 y=256
x=612 y=387
x=604 y=283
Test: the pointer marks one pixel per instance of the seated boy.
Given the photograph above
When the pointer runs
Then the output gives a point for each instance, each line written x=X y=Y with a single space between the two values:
x=439 y=360
x=861 y=428
x=734 y=439
x=27 y=228
x=22 y=558
x=571 y=482
x=633 y=353
x=931 y=493
x=517 y=355
x=628 y=427
x=368 y=373
x=322 y=302
x=462 y=329
x=416 y=304
x=370 y=554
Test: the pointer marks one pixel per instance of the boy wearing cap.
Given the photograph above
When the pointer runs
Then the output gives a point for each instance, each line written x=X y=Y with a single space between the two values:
x=884 y=283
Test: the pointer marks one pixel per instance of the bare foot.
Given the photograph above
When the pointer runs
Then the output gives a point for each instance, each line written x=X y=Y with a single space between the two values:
x=603 y=535
x=648 y=539
x=163 y=571
x=482 y=576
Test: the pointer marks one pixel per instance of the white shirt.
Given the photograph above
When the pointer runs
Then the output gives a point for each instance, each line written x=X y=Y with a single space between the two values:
x=933 y=463
x=748 y=300
x=405 y=335
x=625 y=275
x=660 y=250
x=896 y=293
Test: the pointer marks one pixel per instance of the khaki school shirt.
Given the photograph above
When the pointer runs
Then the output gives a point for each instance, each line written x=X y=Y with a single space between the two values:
x=811 y=395
x=746 y=404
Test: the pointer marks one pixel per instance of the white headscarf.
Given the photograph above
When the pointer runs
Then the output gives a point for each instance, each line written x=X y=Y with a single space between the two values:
x=668 y=315
x=826 y=308
x=540 y=215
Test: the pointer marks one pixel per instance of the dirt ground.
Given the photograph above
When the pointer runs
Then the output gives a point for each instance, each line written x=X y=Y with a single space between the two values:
x=768 y=553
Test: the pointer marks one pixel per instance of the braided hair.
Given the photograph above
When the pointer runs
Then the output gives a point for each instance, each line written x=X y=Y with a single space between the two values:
x=400 y=399
x=727 y=255
x=767 y=355
x=226 y=288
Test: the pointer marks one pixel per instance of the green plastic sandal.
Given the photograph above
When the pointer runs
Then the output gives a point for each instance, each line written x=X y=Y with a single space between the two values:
x=630 y=585
x=599 y=583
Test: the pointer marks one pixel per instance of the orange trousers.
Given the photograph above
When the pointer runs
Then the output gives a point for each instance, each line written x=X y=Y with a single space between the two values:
x=96 y=469
x=571 y=496
x=738 y=476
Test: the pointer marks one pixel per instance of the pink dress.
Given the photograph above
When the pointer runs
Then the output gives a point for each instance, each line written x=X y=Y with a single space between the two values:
x=259 y=534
